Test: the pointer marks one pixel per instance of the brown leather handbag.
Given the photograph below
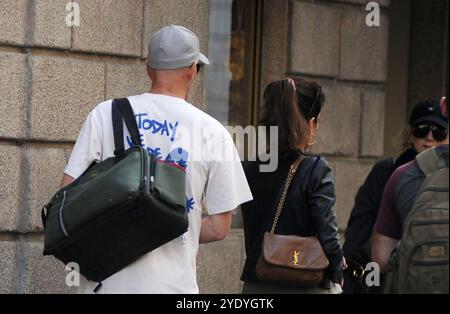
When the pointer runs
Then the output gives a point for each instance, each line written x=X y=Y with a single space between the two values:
x=290 y=259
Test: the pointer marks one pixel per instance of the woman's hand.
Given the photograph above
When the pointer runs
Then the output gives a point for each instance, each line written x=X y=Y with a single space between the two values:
x=345 y=264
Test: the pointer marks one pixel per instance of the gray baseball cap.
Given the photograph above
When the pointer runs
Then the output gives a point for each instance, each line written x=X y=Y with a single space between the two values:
x=174 y=47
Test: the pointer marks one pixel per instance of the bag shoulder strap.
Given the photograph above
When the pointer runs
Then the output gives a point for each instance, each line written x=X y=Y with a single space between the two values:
x=291 y=173
x=122 y=111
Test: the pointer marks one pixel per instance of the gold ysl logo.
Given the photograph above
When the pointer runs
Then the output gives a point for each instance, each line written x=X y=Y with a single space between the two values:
x=296 y=255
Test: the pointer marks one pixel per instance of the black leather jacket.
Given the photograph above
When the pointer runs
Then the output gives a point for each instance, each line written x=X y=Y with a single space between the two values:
x=309 y=210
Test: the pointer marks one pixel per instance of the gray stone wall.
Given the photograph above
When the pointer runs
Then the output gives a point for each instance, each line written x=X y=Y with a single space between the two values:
x=353 y=59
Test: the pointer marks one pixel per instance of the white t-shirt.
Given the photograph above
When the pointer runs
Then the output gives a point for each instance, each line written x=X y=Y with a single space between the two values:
x=178 y=132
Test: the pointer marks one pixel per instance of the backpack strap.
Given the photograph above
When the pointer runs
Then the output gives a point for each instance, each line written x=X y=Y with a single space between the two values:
x=121 y=110
x=429 y=161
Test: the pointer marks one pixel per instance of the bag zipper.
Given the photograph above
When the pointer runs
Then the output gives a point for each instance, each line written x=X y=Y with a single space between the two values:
x=430 y=263
x=407 y=226
x=144 y=158
x=152 y=172
x=429 y=222
x=435 y=189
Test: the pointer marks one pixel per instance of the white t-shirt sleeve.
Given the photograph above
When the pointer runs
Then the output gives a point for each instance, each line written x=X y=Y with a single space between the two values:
x=87 y=148
x=227 y=185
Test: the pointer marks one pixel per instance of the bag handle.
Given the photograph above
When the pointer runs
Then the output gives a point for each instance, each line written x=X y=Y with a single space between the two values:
x=291 y=173
x=121 y=109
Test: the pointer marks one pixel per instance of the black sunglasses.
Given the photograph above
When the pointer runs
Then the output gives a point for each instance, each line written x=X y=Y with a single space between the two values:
x=421 y=131
x=199 y=66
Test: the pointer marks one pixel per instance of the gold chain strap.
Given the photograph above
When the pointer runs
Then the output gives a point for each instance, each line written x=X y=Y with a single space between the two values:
x=291 y=174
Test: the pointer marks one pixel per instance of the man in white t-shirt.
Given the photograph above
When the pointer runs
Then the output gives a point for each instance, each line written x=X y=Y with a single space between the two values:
x=175 y=131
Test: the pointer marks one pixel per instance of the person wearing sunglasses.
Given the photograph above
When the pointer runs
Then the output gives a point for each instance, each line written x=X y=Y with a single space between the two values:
x=418 y=187
x=294 y=106
x=427 y=128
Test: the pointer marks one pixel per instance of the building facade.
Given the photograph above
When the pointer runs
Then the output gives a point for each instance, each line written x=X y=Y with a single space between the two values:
x=60 y=58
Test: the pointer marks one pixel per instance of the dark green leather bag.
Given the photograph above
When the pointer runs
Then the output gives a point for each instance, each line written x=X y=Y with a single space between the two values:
x=119 y=209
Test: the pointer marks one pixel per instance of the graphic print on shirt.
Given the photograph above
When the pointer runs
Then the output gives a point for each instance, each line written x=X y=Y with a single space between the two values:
x=178 y=156
x=166 y=128
x=150 y=150
x=189 y=204
x=155 y=151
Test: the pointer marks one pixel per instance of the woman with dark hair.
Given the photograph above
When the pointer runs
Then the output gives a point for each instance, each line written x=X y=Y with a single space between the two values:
x=293 y=106
x=427 y=128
